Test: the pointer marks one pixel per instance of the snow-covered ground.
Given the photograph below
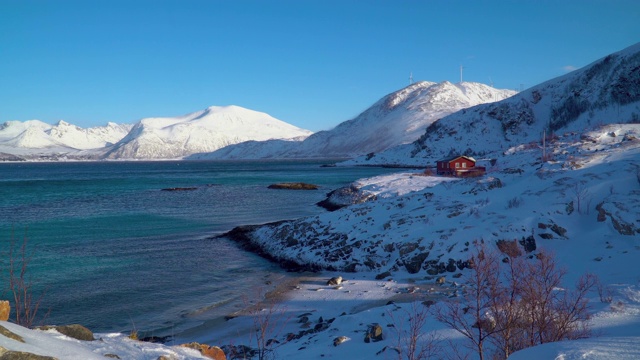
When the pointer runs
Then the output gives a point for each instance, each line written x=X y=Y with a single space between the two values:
x=385 y=241
x=552 y=202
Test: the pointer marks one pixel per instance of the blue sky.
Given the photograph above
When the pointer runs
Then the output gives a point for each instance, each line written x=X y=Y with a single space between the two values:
x=311 y=63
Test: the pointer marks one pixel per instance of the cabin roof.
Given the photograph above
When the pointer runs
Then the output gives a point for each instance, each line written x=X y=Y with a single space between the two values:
x=454 y=157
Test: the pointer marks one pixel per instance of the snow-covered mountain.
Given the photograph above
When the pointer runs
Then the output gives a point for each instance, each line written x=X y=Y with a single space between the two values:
x=35 y=139
x=604 y=92
x=398 y=118
x=201 y=131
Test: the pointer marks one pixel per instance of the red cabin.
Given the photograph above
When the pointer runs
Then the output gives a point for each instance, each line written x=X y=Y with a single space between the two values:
x=459 y=166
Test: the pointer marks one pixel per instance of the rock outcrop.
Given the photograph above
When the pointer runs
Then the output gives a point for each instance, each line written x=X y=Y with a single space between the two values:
x=5 y=310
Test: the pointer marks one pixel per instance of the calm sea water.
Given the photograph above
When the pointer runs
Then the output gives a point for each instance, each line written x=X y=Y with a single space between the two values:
x=114 y=252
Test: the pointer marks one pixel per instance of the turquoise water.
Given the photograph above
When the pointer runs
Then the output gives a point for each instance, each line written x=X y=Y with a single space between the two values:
x=114 y=252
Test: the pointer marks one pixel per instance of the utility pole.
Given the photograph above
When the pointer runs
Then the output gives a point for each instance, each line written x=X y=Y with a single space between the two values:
x=544 y=145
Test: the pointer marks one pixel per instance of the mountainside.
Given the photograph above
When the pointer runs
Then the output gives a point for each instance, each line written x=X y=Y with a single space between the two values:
x=398 y=118
x=202 y=131
x=604 y=92
x=581 y=207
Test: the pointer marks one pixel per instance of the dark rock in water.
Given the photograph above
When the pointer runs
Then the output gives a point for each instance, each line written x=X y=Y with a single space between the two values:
x=345 y=196
x=293 y=186
x=180 y=189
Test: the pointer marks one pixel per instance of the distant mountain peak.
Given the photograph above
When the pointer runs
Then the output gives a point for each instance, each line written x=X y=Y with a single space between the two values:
x=397 y=118
x=201 y=131
x=606 y=91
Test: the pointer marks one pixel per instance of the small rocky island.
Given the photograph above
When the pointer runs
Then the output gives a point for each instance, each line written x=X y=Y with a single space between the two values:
x=293 y=186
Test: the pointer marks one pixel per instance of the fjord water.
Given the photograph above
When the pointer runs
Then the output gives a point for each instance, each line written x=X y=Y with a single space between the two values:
x=115 y=252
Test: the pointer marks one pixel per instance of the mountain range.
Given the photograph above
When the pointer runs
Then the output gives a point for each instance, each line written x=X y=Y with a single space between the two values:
x=398 y=118
x=233 y=132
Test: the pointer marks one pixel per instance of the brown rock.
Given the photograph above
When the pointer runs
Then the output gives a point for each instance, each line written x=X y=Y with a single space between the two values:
x=6 y=333
x=212 y=352
x=5 y=310
x=293 y=186
x=21 y=355
x=74 y=331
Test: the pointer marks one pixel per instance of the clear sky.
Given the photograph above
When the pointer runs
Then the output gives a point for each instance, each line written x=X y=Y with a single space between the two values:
x=311 y=63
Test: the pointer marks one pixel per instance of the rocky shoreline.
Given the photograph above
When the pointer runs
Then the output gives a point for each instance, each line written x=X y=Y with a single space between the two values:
x=241 y=235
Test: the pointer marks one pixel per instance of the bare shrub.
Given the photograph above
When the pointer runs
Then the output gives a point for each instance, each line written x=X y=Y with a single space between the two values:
x=604 y=293
x=514 y=203
x=518 y=304
x=582 y=196
x=469 y=317
x=269 y=319
x=26 y=303
x=411 y=343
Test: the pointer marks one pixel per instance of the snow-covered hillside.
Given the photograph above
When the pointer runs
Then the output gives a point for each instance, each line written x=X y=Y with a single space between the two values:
x=604 y=92
x=35 y=139
x=582 y=205
x=202 y=131
x=398 y=118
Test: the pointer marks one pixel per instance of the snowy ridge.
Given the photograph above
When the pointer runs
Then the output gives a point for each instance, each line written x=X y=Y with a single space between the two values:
x=398 y=118
x=34 y=139
x=604 y=92
x=201 y=131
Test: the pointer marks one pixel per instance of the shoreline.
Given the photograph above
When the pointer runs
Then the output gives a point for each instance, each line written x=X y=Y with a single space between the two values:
x=306 y=294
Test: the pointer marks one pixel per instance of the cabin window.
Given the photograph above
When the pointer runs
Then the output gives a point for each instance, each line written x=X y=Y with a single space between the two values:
x=464 y=165
x=457 y=165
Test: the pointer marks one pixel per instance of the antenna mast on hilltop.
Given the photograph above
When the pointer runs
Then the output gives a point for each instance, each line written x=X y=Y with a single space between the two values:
x=461 y=67
x=410 y=78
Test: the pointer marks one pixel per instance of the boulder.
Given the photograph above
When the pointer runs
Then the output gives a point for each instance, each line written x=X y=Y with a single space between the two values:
x=5 y=310
x=374 y=333
x=75 y=331
x=345 y=196
x=339 y=340
x=212 y=352
x=7 y=333
x=21 y=355
x=335 y=281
